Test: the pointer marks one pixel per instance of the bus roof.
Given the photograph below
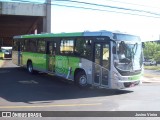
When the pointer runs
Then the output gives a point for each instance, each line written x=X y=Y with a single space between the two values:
x=48 y=35
x=73 y=34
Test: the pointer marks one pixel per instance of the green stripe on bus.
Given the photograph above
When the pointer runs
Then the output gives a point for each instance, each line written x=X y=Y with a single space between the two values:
x=38 y=59
x=63 y=63
x=135 y=77
x=52 y=35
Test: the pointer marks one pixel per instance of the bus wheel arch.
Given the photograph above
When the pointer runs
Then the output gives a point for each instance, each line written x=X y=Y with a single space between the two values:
x=30 y=66
x=80 y=78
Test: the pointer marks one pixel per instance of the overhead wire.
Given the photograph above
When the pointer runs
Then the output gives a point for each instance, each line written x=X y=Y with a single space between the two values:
x=44 y=1
x=116 y=1
x=134 y=4
x=106 y=10
x=121 y=8
x=129 y=11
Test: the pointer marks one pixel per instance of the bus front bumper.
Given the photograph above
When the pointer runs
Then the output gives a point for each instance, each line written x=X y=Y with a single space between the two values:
x=127 y=84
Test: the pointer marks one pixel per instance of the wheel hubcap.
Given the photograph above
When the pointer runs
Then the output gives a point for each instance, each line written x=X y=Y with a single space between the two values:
x=83 y=80
x=30 y=68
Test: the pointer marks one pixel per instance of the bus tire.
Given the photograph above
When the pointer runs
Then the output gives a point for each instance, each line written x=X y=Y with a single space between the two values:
x=30 y=67
x=81 y=79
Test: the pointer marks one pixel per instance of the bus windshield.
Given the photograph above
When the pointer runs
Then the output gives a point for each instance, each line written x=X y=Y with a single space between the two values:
x=128 y=56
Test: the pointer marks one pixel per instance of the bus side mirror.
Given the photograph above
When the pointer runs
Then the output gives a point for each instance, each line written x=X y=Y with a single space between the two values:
x=114 y=50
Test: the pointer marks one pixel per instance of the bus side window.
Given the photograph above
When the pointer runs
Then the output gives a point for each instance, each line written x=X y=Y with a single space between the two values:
x=22 y=44
x=67 y=46
x=33 y=45
x=27 y=46
x=105 y=57
x=83 y=47
x=15 y=45
x=41 y=47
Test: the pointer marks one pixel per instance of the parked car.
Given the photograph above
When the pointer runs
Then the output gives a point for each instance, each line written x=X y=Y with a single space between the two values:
x=6 y=52
x=150 y=62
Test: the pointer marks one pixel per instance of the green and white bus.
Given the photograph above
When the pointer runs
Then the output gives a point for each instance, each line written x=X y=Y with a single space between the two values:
x=102 y=59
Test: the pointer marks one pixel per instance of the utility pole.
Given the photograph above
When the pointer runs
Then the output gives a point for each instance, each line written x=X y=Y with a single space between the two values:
x=47 y=18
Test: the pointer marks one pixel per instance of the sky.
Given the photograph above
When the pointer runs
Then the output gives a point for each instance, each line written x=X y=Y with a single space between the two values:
x=67 y=19
x=71 y=19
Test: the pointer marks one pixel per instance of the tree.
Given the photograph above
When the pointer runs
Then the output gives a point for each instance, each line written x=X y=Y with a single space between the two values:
x=152 y=51
x=157 y=56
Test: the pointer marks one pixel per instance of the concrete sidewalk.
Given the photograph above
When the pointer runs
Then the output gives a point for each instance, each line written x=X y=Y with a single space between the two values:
x=7 y=64
x=1 y=63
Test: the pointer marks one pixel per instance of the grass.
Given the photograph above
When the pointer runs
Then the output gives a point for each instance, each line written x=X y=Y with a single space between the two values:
x=152 y=67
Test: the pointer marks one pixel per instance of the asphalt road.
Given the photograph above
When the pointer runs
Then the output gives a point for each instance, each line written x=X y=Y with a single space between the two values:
x=21 y=91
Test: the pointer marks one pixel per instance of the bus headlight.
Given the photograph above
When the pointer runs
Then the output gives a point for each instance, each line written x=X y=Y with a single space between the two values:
x=115 y=76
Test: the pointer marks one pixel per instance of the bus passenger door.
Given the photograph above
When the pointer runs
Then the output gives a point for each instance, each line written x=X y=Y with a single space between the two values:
x=51 y=46
x=101 y=65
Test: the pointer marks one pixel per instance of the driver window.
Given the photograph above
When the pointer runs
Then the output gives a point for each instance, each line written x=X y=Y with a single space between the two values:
x=121 y=51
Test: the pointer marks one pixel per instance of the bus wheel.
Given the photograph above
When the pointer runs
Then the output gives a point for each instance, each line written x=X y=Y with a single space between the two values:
x=81 y=79
x=30 y=67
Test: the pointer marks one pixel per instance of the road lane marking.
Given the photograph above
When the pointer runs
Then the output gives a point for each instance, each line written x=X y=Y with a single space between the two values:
x=56 y=105
x=28 y=82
